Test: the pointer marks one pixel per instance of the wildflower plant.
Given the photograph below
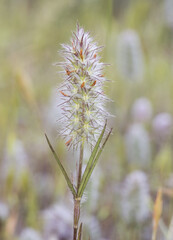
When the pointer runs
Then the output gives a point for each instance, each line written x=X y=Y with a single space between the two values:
x=83 y=120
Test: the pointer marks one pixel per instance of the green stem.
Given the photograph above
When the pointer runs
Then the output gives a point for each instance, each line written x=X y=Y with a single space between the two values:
x=77 y=199
x=80 y=166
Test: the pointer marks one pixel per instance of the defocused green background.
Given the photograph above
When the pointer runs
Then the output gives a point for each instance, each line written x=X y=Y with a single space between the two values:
x=138 y=40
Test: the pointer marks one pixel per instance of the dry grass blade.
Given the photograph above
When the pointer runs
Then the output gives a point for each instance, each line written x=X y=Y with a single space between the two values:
x=25 y=85
x=157 y=213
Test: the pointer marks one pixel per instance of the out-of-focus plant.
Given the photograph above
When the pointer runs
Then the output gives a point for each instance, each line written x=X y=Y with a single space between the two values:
x=135 y=198
x=30 y=234
x=162 y=126
x=168 y=9
x=93 y=227
x=137 y=144
x=15 y=161
x=93 y=195
x=141 y=110
x=57 y=222
x=130 y=56
x=84 y=116
x=4 y=213
x=163 y=161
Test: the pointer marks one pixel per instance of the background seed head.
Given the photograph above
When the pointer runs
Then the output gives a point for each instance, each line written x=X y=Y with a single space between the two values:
x=137 y=143
x=135 y=198
x=83 y=99
x=130 y=56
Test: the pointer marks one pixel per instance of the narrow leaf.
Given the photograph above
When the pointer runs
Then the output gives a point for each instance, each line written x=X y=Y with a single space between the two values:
x=62 y=168
x=93 y=166
x=90 y=161
x=80 y=232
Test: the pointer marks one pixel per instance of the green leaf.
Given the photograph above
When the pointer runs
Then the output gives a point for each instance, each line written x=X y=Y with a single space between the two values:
x=62 y=168
x=80 y=232
x=93 y=154
x=93 y=166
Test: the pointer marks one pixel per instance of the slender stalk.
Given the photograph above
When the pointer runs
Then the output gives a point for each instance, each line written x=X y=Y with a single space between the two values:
x=76 y=217
x=77 y=200
x=80 y=166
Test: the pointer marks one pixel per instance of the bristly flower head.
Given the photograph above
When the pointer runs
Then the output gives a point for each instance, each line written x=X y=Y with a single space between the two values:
x=82 y=94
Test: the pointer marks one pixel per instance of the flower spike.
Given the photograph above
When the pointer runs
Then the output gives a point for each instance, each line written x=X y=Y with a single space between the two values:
x=82 y=91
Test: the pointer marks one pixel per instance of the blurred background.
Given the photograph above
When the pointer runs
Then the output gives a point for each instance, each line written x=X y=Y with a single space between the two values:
x=138 y=38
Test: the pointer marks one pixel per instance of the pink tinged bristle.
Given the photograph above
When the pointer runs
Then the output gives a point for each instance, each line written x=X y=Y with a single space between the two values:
x=65 y=95
x=94 y=83
x=83 y=84
x=81 y=54
x=68 y=142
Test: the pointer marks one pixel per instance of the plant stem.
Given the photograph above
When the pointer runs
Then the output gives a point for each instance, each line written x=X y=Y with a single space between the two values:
x=76 y=217
x=80 y=166
x=77 y=199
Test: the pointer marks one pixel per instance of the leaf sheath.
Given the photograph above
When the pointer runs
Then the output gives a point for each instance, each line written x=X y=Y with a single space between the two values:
x=85 y=181
x=90 y=162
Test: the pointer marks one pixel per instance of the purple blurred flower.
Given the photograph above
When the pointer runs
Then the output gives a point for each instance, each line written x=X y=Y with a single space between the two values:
x=142 y=110
x=162 y=125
